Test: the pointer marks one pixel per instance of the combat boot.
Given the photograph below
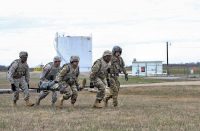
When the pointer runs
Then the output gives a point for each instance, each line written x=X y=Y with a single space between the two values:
x=14 y=103
x=61 y=103
x=28 y=103
x=97 y=104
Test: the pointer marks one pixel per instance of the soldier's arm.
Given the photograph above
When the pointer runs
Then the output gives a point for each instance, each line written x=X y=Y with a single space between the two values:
x=27 y=75
x=94 y=70
x=61 y=74
x=76 y=80
x=12 y=71
x=44 y=73
x=123 y=66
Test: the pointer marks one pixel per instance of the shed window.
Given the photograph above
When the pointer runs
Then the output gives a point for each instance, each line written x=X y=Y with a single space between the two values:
x=142 y=69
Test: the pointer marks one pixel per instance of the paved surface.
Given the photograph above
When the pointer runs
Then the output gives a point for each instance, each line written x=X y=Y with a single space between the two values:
x=165 y=84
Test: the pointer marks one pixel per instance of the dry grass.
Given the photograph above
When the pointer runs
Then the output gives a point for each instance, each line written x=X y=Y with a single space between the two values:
x=168 y=108
x=140 y=109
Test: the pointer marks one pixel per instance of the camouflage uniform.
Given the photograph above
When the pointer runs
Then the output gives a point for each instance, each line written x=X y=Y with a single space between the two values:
x=68 y=80
x=18 y=75
x=117 y=66
x=49 y=74
x=98 y=77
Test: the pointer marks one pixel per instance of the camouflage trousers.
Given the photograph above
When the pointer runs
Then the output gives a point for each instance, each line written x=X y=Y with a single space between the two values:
x=21 y=84
x=44 y=93
x=69 y=91
x=101 y=85
x=114 y=89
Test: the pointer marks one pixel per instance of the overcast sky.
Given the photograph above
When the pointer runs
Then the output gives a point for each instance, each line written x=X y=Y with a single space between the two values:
x=140 y=27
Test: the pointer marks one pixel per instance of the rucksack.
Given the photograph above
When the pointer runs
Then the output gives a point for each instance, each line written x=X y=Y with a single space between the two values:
x=67 y=64
x=12 y=64
x=100 y=64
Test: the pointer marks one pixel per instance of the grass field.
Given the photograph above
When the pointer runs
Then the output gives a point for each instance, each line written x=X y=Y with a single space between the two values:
x=168 y=108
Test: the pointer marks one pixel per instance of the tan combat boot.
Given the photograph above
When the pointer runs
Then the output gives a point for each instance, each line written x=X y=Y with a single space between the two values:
x=97 y=104
x=61 y=103
x=28 y=103
x=14 y=103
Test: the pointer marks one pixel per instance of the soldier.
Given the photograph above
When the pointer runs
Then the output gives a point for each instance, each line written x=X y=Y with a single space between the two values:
x=99 y=73
x=117 y=66
x=68 y=80
x=18 y=75
x=49 y=73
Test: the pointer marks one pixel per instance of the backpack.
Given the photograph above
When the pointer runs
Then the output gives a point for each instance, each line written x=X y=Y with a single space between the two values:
x=100 y=64
x=67 y=64
x=12 y=64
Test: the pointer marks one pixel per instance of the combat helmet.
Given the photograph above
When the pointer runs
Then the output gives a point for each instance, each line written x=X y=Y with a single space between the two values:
x=74 y=58
x=56 y=58
x=107 y=53
x=23 y=53
x=116 y=49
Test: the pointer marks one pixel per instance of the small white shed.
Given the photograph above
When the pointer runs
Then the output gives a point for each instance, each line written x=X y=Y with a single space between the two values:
x=147 y=68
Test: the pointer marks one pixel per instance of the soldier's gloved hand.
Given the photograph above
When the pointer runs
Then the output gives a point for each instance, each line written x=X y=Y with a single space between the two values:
x=91 y=85
x=78 y=88
x=13 y=87
x=28 y=86
x=108 y=82
x=126 y=77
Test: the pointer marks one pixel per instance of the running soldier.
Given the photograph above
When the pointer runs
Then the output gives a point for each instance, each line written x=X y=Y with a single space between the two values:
x=99 y=73
x=68 y=80
x=49 y=73
x=117 y=66
x=18 y=76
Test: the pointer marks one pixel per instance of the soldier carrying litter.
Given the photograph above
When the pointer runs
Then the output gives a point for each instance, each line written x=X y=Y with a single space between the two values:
x=68 y=80
x=18 y=75
x=48 y=74
x=117 y=66
x=98 y=76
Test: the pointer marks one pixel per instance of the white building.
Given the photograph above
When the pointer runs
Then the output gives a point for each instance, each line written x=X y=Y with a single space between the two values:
x=147 y=68
x=66 y=46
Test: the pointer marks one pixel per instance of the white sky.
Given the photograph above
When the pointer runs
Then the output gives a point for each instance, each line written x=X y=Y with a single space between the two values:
x=140 y=27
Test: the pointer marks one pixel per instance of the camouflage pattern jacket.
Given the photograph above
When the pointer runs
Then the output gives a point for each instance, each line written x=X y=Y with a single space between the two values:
x=99 y=70
x=117 y=66
x=49 y=72
x=68 y=74
x=17 y=70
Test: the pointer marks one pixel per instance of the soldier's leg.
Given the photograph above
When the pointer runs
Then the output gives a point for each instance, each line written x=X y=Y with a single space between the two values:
x=16 y=93
x=115 y=92
x=42 y=95
x=25 y=89
x=111 y=89
x=66 y=95
x=74 y=94
x=101 y=90
x=54 y=97
x=100 y=93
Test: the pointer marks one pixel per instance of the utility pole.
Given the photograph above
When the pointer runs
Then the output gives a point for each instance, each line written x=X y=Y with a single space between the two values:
x=167 y=59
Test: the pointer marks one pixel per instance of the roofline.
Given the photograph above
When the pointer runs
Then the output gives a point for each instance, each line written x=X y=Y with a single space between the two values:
x=146 y=61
